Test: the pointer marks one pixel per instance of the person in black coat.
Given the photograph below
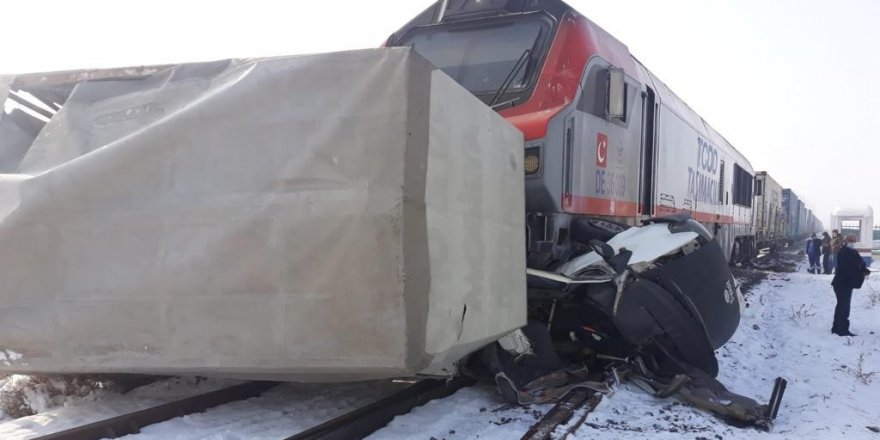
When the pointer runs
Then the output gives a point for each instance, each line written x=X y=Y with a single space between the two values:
x=826 y=253
x=814 y=249
x=850 y=274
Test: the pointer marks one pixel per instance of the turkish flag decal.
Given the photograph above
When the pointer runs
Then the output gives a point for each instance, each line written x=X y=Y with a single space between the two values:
x=602 y=150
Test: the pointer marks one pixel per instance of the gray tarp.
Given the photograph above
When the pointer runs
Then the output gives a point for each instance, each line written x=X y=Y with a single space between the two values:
x=328 y=217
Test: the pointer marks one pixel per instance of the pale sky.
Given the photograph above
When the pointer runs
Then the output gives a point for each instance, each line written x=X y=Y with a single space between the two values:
x=791 y=83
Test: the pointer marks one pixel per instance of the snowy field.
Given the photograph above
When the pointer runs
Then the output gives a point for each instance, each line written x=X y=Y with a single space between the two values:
x=833 y=390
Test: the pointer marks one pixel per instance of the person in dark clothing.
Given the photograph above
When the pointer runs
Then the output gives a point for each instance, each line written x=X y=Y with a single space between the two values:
x=850 y=274
x=826 y=253
x=814 y=248
x=836 y=244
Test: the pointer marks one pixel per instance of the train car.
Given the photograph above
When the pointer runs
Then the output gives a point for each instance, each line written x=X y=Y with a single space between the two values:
x=769 y=211
x=607 y=143
x=783 y=220
x=799 y=226
x=798 y=220
x=808 y=225
x=803 y=225
x=815 y=223
x=791 y=204
x=856 y=220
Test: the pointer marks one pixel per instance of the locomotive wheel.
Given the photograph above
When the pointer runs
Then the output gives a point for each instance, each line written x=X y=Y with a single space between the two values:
x=735 y=253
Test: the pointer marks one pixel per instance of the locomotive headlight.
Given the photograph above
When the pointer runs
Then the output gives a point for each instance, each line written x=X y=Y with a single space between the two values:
x=532 y=161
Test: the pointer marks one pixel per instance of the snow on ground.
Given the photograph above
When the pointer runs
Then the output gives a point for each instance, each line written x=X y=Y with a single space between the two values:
x=102 y=404
x=785 y=331
x=833 y=382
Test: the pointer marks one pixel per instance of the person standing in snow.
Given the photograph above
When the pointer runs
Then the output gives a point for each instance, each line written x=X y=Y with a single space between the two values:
x=836 y=244
x=814 y=247
x=826 y=253
x=850 y=274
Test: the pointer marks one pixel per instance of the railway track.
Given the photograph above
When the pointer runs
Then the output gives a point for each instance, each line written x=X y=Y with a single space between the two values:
x=366 y=420
x=355 y=424
x=131 y=423
x=560 y=422
x=351 y=425
x=581 y=402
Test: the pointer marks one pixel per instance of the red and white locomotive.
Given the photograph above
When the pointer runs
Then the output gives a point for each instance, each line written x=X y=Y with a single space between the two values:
x=607 y=143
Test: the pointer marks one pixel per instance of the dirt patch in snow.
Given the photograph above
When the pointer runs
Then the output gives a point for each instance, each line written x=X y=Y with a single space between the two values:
x=748 y=278
x=22 y=396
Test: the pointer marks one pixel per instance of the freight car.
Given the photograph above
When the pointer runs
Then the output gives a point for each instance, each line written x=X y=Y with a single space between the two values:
x=793 y=219
x=770 y=229
x=780 y=216
x=798 y=220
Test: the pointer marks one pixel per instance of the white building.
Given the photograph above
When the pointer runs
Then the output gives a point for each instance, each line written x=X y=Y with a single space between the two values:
x=857 y=220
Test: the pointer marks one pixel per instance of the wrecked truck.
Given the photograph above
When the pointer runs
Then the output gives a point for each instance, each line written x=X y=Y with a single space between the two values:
x=361 y=215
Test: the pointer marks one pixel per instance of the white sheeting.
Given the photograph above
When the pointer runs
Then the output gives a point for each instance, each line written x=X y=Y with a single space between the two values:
x=329 y=217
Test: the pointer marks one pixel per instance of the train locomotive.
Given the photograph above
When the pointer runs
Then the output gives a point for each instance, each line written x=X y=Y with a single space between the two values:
x=607 y=143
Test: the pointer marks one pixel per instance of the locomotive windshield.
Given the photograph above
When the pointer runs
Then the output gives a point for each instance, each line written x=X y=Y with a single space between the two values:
x=481 y=55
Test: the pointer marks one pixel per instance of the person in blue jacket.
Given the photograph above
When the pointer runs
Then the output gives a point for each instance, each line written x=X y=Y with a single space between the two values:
x=814 y=249
x=850 y=274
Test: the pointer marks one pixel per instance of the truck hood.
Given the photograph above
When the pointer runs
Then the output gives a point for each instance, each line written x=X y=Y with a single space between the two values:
x=647 y=243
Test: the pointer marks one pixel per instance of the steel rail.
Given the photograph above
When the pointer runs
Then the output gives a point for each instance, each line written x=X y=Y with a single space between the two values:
x=132 y=423
x=370 y=418
x=562 y=412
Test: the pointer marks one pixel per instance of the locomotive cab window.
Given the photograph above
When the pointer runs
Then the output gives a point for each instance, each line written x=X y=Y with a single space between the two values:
x=608 y=93
x=615 y=104
x=487 y=56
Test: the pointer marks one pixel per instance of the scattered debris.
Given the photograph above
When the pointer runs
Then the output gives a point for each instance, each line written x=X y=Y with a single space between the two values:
x=784 y=260
x=562 y=412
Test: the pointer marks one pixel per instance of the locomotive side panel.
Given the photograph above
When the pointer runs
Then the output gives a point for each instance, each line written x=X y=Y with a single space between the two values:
x=701 y=174
x=689 y=170
x=605 y=161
